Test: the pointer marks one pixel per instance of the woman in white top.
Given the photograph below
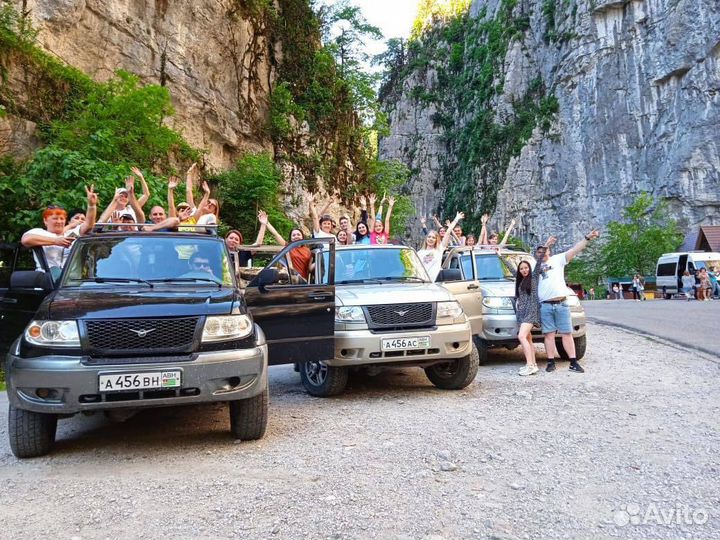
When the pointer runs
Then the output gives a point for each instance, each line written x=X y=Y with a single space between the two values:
x=433 y=247
x=322 y=226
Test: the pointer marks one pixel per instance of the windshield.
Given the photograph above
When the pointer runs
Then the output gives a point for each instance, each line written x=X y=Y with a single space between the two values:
x=706 y=264
x=490 y=267
x=372 y=265
x=514 y=259
x=149 y=260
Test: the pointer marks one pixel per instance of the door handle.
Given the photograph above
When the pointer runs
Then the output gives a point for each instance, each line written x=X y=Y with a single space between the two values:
x=473 y=286
x=319 y=296
x=8 y=300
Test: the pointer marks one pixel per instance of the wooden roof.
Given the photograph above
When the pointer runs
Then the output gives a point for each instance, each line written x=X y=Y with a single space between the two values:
x=708 y=238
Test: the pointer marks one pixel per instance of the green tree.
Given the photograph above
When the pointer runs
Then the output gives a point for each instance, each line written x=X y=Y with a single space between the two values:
x=253 y=184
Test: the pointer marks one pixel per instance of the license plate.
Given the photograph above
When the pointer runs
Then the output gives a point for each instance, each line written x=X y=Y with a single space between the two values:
x=407 y=343
x=139 y=381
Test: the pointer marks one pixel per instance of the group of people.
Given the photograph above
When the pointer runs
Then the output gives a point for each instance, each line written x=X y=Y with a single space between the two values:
x=702 y=285
x=541 y=298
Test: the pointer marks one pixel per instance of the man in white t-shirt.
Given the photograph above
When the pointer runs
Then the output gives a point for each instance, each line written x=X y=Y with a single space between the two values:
x=552 y=293
x=54 y=240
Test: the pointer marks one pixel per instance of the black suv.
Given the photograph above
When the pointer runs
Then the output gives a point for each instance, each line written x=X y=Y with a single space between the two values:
x=148 y=319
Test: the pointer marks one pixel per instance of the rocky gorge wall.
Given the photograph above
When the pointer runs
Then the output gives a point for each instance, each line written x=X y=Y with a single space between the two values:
x=213 y=57
x=637 y=90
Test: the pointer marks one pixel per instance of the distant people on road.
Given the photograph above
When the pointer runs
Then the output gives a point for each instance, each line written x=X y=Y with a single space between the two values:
x=713 y=274
x=635 y=287
x=592 y=293
x=617 y=291
x=688 y=284
x=555 y=315
x=705 y=288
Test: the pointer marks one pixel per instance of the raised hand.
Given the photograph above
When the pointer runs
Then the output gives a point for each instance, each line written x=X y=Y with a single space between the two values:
x=550 y=241
x=115 y=216
x=137 y=172
x=173 y=182
x=459 y=216
x=484 y=219
x=262 y=217
x=130 y=184
x=593 y=234
x=92 y=197
x=512 y=222
x=372 y=198
x=185 y=214
x=423 y=221
x=363 y=201
x=192 y=171
x=391 y=200
x=205 y=187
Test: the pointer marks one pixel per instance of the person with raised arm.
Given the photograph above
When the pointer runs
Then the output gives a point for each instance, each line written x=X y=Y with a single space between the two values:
x=381 y=231
x=323 y=225
x=507 y=232
x=146 y=190
x=555 y=315
x=54 y=239
x=431 y=252
x=301 y=256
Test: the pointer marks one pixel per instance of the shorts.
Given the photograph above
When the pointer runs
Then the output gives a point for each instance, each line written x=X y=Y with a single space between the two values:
x=555 y=318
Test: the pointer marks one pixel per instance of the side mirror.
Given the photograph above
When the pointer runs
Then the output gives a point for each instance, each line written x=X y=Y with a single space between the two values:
x=449 y=274
x=31 y=279
x=267 y=276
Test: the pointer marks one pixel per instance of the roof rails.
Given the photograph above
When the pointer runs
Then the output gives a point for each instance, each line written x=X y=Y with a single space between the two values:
x=199 y=229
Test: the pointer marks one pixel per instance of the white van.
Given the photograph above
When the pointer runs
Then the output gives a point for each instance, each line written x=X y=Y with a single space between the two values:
x=671 y=266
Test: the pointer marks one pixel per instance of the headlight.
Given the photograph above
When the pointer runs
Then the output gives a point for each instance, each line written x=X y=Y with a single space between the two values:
x=226 y=327
x=498 y=302
x=53 y=333
x=349 y=314
x=449 y=310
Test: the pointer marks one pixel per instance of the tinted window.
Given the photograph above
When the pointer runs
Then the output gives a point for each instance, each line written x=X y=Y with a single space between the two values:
x=7 y=254
x=189 y=259
x=666 y=269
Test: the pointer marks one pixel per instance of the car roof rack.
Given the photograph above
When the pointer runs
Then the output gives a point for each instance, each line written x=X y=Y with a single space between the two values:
x=211 y=229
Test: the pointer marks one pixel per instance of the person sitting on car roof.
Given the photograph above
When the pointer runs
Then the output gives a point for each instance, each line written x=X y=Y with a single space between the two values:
x=54 y=239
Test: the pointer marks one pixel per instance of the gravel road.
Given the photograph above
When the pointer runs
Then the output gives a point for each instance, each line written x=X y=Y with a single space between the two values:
x=627 y=450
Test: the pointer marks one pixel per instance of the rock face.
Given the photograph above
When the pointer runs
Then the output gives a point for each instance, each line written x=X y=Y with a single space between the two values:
x=638 y=88
x=213 y=58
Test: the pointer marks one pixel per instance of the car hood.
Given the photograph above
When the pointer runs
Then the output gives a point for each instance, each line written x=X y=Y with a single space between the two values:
x=390 y=293
x=497 y=288
x=136 y=302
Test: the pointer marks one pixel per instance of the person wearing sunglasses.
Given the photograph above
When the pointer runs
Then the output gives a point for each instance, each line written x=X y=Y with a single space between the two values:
x=54 y=239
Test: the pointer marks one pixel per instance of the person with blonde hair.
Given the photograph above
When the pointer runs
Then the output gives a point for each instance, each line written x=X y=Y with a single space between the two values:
x=433 y=247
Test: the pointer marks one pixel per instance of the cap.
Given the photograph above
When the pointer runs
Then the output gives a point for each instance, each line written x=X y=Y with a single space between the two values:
x=127 y=215
x=183 y=205
x=121 y=190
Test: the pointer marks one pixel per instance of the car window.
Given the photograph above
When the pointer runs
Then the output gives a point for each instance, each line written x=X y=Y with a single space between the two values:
x=491 y=267
x=187 y=259
x=666 y=269
x=371 y=264
x=25 y=259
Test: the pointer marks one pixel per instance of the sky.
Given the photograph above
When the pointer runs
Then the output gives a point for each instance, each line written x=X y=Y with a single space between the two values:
x=393 y=17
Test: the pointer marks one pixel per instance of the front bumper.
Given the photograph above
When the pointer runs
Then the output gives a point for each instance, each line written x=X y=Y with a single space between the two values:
x=502 y=329
x=212 y=376
x=361 y=347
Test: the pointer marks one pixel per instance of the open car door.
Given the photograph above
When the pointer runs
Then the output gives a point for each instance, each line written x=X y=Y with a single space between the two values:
x=459 y=276
x=297 y=314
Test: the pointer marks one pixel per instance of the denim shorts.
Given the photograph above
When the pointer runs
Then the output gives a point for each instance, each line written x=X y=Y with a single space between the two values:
x=555 y=318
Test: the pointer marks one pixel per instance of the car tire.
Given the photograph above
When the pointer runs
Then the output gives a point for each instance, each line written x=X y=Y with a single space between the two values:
x=483 y=349
x=248 y=417
x=456 y=374
x=580 y=348
x=321 y=380
x=31 y=434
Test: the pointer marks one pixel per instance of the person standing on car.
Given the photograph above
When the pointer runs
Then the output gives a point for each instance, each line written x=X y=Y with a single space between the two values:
x=527 y=308
x=552 y=293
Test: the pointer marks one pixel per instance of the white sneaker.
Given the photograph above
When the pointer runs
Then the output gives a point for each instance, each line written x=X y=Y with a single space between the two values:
x=533 y=370
x=528 y=370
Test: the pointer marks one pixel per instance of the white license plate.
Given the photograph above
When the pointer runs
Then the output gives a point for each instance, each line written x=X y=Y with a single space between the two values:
x=404 y=344
x=154 y=380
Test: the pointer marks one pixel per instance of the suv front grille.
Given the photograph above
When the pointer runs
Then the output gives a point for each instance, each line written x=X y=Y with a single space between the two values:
x=132 y=336
x=390 y=316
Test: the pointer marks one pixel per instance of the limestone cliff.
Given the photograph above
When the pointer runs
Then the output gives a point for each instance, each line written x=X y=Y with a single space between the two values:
x=635 y=90
x=214 y=57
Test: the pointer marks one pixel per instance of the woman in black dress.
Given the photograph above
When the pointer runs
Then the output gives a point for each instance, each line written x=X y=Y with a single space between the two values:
x=527 y=308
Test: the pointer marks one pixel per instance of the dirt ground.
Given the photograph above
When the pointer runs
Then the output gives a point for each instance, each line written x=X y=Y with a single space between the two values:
x=630 y=449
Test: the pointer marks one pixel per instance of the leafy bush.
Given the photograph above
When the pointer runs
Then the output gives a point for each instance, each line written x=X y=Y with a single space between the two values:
x=253 y=184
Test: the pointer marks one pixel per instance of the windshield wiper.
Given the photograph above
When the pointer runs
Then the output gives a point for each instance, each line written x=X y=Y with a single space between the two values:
x=366 y=280
x=404 y=278
x=119 y=280
x=186 y=280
